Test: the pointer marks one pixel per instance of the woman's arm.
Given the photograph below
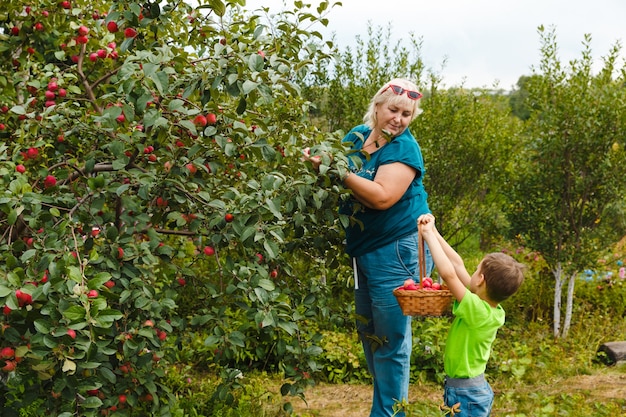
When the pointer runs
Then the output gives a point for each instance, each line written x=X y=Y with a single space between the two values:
x=389 y=185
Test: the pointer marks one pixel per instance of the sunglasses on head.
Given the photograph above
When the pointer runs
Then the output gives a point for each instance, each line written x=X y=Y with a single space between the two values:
x=397 y=90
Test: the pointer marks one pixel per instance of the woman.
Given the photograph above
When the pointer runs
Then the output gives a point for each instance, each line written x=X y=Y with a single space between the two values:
x=388 y=197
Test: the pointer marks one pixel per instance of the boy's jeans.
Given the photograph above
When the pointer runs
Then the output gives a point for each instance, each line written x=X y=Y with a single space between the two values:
x=474 y=396
x=384 y=331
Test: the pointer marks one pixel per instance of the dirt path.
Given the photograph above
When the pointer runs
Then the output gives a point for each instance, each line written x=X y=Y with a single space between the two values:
x=326 y=400
x=350 y=400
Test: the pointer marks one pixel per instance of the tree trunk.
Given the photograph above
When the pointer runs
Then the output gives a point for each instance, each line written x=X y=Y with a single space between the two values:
x=558 y=287
x=569 y=305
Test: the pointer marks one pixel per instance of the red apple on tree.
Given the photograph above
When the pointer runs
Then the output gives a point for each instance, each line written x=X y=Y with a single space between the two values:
x=209 y=251
x=112 y=26
x=192 y=168
x=130 y=32
x=211 y=118
x=229 y=217
x=9 y=366
x=200 y=120
x=7 y=352
x=49 y=181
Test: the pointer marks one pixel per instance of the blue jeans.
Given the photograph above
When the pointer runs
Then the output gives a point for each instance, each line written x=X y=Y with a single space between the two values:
x=384 y=331
x=474 y=399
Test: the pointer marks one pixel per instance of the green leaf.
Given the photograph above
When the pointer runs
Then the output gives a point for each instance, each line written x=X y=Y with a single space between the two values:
x=271 y=248
x=73 y=273
x=97 y=281
x=28 y=255
x=12 y=217
x=249 y=86
x=267 y=284
x=288 y=326
x=274 y=208
x=218 y=7
x=107 y=374
x=109 y=315
x=241 y=107
x=91 y=402
x=74 y=313
x=18 y=110
x=4 y=291
x=42 y=326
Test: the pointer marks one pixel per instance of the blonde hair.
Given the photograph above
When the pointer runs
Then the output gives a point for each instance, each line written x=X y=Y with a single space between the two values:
x=386 y=96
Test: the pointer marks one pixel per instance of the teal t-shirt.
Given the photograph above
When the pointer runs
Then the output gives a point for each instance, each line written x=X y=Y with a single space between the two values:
x=377 y=228
x=470 y=338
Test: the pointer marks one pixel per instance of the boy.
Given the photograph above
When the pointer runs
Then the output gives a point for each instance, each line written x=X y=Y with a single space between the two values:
x=478 y=315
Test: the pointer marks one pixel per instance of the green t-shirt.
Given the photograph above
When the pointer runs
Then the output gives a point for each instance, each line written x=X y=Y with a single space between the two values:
x=470 y=338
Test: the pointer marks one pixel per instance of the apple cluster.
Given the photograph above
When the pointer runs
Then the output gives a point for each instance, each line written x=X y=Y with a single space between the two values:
x=7 y=354
x=426 y=284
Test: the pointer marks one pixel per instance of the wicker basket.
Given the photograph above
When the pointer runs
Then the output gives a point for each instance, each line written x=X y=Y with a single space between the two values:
x=423 y=302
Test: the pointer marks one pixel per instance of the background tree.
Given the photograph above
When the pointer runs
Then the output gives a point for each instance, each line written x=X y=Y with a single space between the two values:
x=465 y=135
x=467 y=138
x=571 y=176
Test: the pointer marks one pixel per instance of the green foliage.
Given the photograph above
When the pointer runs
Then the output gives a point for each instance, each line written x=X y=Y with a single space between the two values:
x=343 y=360
x=429 y=340
x=573 y=151
x=466 y=138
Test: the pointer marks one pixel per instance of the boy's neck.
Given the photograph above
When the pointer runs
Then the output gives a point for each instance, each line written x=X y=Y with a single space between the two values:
x=481 y=292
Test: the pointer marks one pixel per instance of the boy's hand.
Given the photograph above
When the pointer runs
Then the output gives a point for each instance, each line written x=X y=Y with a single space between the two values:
x=426 y=222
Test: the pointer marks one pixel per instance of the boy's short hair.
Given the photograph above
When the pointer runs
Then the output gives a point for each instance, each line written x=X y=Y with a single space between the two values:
x=503 y=275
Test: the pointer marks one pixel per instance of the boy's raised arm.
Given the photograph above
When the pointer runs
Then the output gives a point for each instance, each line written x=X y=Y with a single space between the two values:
x=447 y=261
x=455 y=258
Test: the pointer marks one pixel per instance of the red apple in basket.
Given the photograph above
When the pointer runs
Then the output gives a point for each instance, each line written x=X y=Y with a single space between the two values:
x=427 y=282
x=436 y=286
x=409 y=284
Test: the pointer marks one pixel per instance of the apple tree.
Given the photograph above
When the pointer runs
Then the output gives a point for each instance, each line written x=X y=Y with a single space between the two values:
x=152 y=180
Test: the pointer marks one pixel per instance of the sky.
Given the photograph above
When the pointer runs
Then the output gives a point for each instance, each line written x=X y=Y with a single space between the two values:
x=484 y=43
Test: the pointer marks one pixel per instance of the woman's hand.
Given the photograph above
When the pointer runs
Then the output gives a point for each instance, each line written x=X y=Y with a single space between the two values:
x=315 y=160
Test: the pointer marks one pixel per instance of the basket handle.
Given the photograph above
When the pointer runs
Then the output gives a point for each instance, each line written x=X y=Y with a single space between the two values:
x=421 y=254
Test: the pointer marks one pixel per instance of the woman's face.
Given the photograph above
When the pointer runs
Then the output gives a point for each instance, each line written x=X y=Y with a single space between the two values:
x=393 y=118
